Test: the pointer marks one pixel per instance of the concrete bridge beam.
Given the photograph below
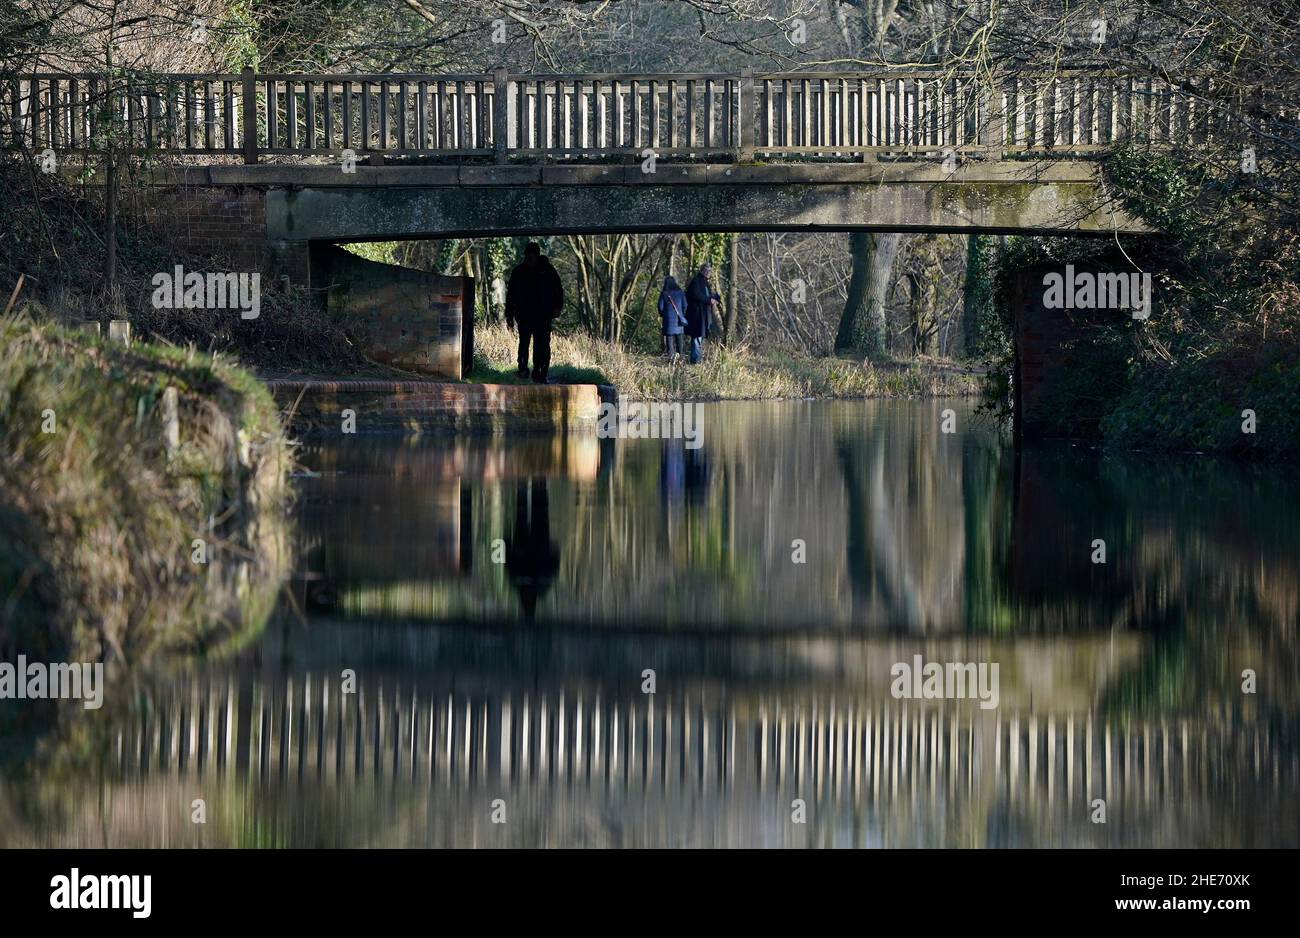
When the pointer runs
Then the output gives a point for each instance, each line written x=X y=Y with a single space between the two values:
x=353 y=214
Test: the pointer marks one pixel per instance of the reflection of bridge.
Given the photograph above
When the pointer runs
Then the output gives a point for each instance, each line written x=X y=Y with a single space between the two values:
x=837 y=754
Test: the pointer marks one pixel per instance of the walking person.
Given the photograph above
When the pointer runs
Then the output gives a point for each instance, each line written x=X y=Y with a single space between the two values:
x=534 y=300
x=672 y=311
x=701 y=299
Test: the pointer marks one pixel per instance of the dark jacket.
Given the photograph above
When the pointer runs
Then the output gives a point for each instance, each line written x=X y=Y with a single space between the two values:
x=534 y=295
x=672 y=310
x=698 y=295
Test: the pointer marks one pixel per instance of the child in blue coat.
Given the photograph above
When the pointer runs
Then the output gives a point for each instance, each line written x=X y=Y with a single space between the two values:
x=672 y=312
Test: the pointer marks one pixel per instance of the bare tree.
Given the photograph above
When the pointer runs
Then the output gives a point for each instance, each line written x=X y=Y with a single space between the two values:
x=615 y=276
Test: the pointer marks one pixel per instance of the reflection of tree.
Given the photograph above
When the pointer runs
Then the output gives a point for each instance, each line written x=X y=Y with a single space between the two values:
x=905 y=537
x=853 y=455
x=988 y=514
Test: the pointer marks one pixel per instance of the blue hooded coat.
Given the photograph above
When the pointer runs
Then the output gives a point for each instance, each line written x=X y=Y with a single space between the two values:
x=672 y=309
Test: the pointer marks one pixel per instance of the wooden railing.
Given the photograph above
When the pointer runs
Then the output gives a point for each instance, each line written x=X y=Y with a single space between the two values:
x=537 y=118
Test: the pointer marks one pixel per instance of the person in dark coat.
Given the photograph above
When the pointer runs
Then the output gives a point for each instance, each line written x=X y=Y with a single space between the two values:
x=672 y=312
x=700 y=299
x=534 y=299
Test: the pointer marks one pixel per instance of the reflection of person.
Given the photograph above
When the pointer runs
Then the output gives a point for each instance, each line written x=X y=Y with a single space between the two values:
x=532 y=558
x=683 y=474
x=696 y=476
x=534 y=299
x=672 y=471
x=701 y=299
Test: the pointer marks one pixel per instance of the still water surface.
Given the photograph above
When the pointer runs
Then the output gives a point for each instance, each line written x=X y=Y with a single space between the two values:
x=500 y=603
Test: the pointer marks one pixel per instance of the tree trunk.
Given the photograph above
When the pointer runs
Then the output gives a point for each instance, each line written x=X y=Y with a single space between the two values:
x=110 y=178
x=110 y=220
x=922 y=300
x=972 y=293
x=862 y=325
x=731 y=315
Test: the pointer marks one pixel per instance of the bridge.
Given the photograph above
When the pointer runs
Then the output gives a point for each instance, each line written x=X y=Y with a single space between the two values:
x=257 y=171
x=379 y=157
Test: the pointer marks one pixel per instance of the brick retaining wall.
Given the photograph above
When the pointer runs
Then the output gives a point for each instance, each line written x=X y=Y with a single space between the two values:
x=429 y=406
x=225 y=224
x=1050 y=343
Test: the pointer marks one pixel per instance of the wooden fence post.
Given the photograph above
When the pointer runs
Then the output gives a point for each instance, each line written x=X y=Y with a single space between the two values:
x=746 y=125
x=249 y=96
x=171 y=423
x=500 y=114
x=993 y=127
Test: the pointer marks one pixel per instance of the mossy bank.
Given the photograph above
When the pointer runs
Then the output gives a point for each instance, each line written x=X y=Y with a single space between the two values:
x=132 y=518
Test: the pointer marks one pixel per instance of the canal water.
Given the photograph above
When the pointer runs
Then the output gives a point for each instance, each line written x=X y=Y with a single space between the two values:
x=568 y=641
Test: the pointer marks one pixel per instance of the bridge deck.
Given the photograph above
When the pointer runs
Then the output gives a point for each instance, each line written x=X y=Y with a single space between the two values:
x=479 y=155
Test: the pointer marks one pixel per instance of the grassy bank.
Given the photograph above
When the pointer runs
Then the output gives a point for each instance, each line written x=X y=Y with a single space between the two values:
x=99 y=514
x=724 y=374
x=55 y=240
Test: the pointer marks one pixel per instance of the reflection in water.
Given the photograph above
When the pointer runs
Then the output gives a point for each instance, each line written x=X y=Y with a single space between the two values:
x=1119 y=681
x=684 y=474
x=532 y=558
